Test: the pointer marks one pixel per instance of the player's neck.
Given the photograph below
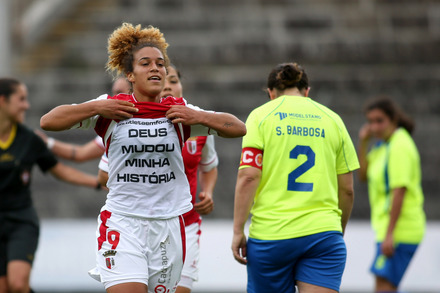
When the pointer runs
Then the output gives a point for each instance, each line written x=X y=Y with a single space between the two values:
x=141 y=97
x=293 y=92
x=5 y=130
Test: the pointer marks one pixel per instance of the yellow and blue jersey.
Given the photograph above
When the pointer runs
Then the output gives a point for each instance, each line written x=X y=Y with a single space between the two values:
x=305 y=147
x=395 y=164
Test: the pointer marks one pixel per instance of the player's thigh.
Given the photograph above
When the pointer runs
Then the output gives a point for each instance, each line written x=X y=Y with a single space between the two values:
x=166 y=256
x=392 y=269
x=18 y=275
x=191 y=265
x=3 y=284
x=128 y=287
x=22 y=238
x=271 y=265
x=309 y=288
x=324 y=261
x=120 y=256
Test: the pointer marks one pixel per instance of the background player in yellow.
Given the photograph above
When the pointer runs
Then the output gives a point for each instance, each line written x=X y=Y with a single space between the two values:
x=296 y=171
x=393 y=170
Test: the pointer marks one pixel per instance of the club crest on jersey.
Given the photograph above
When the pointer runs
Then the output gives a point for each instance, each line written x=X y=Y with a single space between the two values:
x=109 y=258
x=191 y=145
x=25 y=176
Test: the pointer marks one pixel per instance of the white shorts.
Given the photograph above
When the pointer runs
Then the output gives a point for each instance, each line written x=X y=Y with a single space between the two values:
x=148 y=251
x=190 y=272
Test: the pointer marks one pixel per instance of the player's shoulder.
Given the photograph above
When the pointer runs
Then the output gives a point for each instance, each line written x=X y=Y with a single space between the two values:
x=324 y=109
x=264 y=109
x=23 y=130
x=402 y=139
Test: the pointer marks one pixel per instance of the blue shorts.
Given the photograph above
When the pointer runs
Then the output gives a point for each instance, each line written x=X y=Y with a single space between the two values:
x=393 y=268
x=276 y=265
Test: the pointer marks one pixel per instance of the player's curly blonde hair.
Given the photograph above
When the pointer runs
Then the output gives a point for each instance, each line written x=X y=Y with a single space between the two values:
x=128 y=39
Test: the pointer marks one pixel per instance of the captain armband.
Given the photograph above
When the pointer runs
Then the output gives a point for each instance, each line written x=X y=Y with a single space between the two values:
x=251 y=157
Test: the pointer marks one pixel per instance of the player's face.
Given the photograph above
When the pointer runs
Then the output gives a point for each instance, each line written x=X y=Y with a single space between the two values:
x=148 y=76
x=381 y=126
x=173 y=87
x=18 y=104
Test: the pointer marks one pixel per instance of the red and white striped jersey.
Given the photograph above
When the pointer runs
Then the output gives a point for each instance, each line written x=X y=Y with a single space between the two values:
x=146 y=172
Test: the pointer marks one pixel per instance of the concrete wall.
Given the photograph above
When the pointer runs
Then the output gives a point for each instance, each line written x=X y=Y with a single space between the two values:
x=352 y=50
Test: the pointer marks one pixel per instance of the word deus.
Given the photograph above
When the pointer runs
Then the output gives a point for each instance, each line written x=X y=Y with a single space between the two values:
x=145 y=178
x=147 y=132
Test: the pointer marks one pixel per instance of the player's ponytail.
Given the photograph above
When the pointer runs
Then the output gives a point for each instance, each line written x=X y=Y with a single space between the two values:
x=287 y=75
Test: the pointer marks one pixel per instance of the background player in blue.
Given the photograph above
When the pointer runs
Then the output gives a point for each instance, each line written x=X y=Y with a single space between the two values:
x=393 y=171
x=296 y=175
x=20 y=150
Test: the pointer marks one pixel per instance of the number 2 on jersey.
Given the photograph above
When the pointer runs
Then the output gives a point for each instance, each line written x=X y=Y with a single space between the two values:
x=303 y=168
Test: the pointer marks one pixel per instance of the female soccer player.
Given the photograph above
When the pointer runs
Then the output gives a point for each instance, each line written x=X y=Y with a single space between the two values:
x=392 y=168
x=20 y=150
x=296 y=176
x=198 y=155
x=141 y=245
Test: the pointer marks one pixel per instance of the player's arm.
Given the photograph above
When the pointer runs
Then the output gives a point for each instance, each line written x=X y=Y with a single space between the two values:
x=225 y=124
x=102 y=177
x=208 y=174
x=248 y=180
x=364 y=139
x=77 y=153
x=74 y=176
x=208 y=180
x=396 y=208
x=66 y=116
x=68 y=151
x=346 y=197
x=103 y=170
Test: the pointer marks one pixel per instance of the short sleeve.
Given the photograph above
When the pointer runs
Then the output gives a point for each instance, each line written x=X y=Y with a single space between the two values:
x=399 y=166
x=209 y=158
x=99 y=142
x=347 y=160
x=90 y=122
x=44 y=157
x=253 y=137
x=103 y=163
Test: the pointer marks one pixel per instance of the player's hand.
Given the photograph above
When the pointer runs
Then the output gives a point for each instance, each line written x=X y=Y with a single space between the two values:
x=116 y=109
x=365 y=132
x=387 y=246
x=239 y=247
x=183 y=114
x=205 y=205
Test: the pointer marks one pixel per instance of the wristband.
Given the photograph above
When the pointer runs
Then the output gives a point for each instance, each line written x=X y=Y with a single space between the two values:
x=50 y=142
x=98 y=186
